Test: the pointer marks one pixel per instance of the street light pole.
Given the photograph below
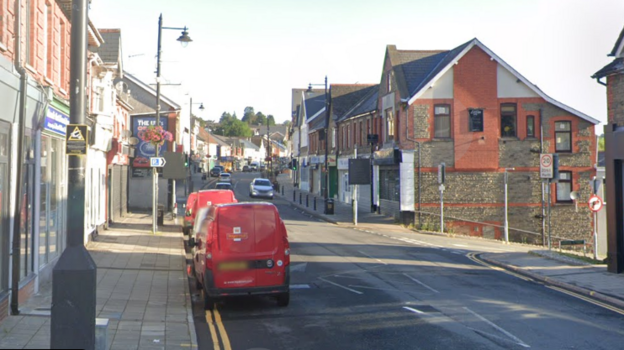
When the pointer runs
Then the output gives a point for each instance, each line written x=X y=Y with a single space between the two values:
x=184 y=39
x=506 y=214
x=326 y=145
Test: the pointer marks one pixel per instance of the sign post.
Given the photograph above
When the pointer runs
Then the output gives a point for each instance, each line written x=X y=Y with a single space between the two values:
x=441 y=176
x=546 y=166
x=595 y=203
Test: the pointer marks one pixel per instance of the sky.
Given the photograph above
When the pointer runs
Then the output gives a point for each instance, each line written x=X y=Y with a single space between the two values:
x=254 y=52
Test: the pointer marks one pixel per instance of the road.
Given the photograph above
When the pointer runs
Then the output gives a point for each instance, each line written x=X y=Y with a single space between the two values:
x=352 y=289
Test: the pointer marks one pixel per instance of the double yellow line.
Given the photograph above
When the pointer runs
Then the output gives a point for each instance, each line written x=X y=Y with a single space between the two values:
x=212 y=318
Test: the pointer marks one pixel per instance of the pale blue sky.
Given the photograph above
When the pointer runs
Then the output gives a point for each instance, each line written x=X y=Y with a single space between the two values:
x=253 y=52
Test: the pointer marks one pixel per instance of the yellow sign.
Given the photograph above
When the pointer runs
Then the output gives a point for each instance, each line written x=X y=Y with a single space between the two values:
x=76 y=135
x=76 y=139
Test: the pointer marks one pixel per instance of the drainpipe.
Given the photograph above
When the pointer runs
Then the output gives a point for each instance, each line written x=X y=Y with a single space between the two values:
x=541 y=126
x=15 y=253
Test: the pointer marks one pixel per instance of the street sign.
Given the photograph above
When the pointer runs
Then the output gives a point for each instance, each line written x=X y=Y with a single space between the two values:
x=441 y=173
x=174 y=168
x=595 y=203
x=546 y=166
x=157 y=162
x=76 y=137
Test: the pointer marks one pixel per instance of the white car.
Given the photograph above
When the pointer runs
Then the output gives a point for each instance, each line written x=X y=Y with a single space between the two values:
x=261 y=188
x=225 y=177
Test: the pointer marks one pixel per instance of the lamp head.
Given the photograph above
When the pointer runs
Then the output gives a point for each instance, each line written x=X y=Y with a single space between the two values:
x=201 y=107
x=184 y=39
x=309 y=88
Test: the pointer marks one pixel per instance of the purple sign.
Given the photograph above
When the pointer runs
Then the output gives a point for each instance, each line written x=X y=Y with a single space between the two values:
x=145 y=150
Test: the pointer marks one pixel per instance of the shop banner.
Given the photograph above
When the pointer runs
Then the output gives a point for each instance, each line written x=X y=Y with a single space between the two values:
x=56 y=121
x=145 y=150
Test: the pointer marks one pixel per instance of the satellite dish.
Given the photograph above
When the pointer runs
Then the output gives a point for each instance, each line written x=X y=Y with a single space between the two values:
x=133 y=141
x=574 y=195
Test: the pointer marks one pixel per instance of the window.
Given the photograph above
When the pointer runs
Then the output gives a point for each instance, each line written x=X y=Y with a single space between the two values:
x=508 y=120
x=362 y=136
x=63 y=56
x=563 y=137
x=389 y=125
x=530 y=126
x=31 y=35
x=389 y=185
x=442 y=121
x=564 y=186
x=389 y=75
x=48 y=30
x=475 y=120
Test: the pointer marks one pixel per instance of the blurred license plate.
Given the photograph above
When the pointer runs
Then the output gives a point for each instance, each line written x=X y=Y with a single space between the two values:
x=233 y=266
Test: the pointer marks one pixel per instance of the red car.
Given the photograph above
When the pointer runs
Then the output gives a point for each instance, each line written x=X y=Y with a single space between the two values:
x=242 y=249
x=204 y=198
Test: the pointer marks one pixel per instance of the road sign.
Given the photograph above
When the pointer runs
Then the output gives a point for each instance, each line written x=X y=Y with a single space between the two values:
x=76 y=137
x=157 y=162
x=546 y=166
x=595 y=203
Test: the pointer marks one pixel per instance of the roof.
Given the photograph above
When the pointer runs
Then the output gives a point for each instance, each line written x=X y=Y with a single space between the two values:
x=367 y=104
x=110 y=50
x=219 y=140
x=143 y=98
x=278 y=128
x=438 y=63
x=619 y=43
x=314 y=106
x=614 y=67
x=318 y=122
x=344 y=96
x=249 y=144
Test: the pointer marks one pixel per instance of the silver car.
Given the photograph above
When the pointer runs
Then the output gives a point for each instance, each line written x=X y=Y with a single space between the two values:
x=224 y=177
x=261 y=188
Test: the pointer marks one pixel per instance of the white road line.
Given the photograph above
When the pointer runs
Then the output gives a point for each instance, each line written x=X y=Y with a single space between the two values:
x=456 y=252
x=518 y=341
x=413 y=310
x=419 y=282
x=385 y=263
x=460 y=245
x=341 y=286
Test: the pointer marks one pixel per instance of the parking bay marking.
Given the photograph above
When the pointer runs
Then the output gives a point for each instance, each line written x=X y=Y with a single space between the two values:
x=341 y=286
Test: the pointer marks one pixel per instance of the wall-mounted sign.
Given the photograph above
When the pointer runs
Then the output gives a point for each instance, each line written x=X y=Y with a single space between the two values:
x=475 y=120
x=56 y=121
x=76 y=139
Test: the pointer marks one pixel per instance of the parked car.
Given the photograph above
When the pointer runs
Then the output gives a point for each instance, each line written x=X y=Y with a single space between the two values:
x=260 y=187
x=202 y=199
x=225 y=177
x=224 y=186
x=216 y=171
x=246 y=169
x=254 y=166
x=188 y=211
x=241 y=249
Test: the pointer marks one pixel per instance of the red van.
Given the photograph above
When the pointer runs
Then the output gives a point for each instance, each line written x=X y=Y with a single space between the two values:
x=242 y=249
x=203 y=198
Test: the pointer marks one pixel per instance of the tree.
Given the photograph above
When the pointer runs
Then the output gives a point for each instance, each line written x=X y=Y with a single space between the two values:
x=249 y=116
x=601 y=143
x=287 y=123
x=271 y=119
x=261 y=119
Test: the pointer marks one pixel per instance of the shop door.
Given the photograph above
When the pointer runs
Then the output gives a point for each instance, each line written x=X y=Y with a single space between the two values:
x=4 y=206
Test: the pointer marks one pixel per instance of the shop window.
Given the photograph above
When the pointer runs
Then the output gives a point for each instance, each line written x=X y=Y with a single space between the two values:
x=389 y=125
x=564 y=187
x=442 y=121
x=389 y=185
x=563 y=137
x=530 y=131
x=508 y=120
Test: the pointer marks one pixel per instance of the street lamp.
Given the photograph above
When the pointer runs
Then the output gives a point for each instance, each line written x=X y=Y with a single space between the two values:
x=326 y=194
x=506 y=221
x=184 y=39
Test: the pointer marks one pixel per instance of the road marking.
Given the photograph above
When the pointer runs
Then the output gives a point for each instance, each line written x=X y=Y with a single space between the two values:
x=413 y=310
x=588 y=299
x=460 y=245
x=224 y=336
x=385 y=263
x=518 y=341
x=419 y=282
x=341 y=286
x=213 y=332
x=474 y=258
x=299 y=286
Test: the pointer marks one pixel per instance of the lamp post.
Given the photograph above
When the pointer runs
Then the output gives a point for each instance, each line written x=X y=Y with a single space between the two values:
x=506 y=221
x=191 y=130
x=326 y=192
x=184 y=39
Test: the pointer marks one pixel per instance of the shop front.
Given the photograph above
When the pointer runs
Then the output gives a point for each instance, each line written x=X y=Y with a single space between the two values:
x=344 y=190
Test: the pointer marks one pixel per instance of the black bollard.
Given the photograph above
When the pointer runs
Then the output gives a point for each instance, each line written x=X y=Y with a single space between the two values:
x=294 y=195
x=314 y=199
x=300 y=198
x=307 y=202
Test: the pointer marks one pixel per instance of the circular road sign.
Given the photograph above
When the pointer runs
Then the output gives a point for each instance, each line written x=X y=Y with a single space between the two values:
x=546 y=160
x=595 y=203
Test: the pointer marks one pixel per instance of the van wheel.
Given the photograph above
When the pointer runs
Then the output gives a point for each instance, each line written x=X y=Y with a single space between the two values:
x=208 y=301
x=283 y=299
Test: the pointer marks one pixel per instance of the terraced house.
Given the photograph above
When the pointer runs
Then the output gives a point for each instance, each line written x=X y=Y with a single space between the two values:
x=469 y=109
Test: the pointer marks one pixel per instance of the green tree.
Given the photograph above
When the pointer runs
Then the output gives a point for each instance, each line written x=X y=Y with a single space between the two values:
x=249 y=116
x=287 y=123
x=601 y=143
x=271 y=119
x=261 y=119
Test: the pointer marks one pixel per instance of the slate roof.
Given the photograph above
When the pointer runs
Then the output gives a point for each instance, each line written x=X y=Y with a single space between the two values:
x=415 y=71
x=317 y=123
x=110 y=50
x=143 y=98
x=614 y=67
x=345 y=96
x=617 y=44
x=280 y=128
x=249 y=144
x=367 y=104
x=314 y=105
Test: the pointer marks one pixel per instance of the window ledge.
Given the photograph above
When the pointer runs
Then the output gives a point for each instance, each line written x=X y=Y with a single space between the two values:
x=49 y=81
x=565 y=154
x=441 y=139
x=3 y=48
x=31 y=68
x=509 y=138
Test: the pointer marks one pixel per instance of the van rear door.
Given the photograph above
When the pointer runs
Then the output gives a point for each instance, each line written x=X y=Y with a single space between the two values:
x=246 y=242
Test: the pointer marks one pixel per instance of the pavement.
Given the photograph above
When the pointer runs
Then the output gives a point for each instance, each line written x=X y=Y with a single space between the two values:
x=142 y=289
x=142 y=286
x=535 y=262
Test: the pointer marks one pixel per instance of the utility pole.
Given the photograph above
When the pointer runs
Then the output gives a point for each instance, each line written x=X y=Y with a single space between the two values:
x=74 y=276
x=506 y=205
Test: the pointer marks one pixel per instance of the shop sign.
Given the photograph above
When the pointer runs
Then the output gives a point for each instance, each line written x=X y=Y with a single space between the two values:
x=146 y=150
x=387 y=156
x=315 y=160
x=343 y=163
x=331 y=160
x=56 y=121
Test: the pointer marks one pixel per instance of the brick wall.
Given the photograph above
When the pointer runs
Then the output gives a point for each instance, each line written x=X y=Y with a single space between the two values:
x=615 y=99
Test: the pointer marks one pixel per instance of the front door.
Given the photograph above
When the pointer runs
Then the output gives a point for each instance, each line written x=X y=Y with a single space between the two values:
x=4 y=205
